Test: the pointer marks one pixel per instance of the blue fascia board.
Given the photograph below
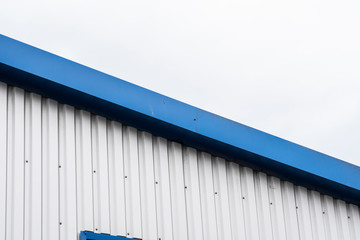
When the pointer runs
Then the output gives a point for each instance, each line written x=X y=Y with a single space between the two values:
x=71 y=83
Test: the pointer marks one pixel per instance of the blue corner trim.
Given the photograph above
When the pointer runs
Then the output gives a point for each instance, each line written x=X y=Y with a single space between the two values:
x=85 y=235
x=71 y=83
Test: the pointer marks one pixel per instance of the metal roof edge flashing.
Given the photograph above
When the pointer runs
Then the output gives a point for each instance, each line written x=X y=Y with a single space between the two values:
x=68 y=82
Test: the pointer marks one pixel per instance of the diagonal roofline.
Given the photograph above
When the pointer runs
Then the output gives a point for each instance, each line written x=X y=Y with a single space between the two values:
x=68 y=82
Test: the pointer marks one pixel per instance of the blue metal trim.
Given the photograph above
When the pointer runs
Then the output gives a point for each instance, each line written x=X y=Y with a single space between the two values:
x=69 y=82
x=85 y=235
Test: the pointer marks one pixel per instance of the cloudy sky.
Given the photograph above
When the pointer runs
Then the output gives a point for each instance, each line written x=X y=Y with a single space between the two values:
x=289 y=68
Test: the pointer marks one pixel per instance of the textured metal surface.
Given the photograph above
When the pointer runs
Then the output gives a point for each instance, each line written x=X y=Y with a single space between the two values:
x=64 y=170
x=82 y=87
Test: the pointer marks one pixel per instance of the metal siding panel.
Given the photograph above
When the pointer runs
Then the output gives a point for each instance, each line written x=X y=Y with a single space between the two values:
x=221 y=199
x=162 y=189
x=100 y=175
x=177 y=189
x=142 y=185
x=32 y=211
x=15 y=164
x=192 y=193
x=67 y=173
x=132 y=182
x=3 y=157
x=329 y=217
x=276 y=208
x=84 y=177
x=316 y=215
x=289 y=206
x=147 y=186
x=207 y=197
x=116 y=179
x=235 y=201
x=249 y=202
x=263 y=205
x=303 y=213
x=354 y=221
x=50 y=170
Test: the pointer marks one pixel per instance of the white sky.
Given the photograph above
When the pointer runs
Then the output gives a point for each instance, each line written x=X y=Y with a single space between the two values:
x=289 y=68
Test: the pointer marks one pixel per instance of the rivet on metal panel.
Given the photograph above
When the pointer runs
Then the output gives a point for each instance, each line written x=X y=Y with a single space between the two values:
x=96 y=229
x=26 y=161
x=215 y=192
x=94 y=171
x=60 y=223
x=156 y=182
x=125 y=176
x=348 y=217
x=297 y=207
x=185 y=187
x=323 y=212
x=59 y=166
x=243 y=197
x=128 y=233
x=271 y=203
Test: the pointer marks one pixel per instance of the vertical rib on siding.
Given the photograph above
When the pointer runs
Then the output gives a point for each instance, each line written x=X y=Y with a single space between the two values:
x=289 y=205
x=64 y=170
x=316 y=215
x=67 y=169
x=50 y=170
x=32 y=213
x=236 y=201
x=329 y=217
x=276 y=208
x=354 y=221
x=15 y=165
x=162 y=189
x=207 y=197
x=221 y=199
x=263 y=206
x=116 y=179
x=3 y=157
x=303 y=213
x=192 y=193
x=177 y=189
x=84 y=191
x=147 y=186
x=100 y=175
x=249 y=202
x=132 y=182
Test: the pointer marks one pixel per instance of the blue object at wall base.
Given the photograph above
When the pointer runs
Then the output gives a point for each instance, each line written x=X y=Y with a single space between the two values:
x=86 y=235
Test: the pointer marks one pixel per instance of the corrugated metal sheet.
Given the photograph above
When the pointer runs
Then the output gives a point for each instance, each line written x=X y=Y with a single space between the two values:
x=64 y=170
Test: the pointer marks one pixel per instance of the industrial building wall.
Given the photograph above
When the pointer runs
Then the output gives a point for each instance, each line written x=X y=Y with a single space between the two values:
x=63 y=170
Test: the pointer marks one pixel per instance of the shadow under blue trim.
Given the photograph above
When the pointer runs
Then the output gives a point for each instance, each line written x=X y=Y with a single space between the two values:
x=82 y=87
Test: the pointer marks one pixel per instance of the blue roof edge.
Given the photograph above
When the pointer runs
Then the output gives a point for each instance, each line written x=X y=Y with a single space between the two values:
x=68 y=82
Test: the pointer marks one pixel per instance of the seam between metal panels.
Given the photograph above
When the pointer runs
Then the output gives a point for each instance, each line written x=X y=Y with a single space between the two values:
x=201 y=203
x=124 y=173
x=138 y=169
x=154 y=184
x=107 y=122
x=76 y=172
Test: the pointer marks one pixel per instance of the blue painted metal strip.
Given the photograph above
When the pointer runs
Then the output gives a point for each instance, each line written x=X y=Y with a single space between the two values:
x=69 y=82
x=85 y=235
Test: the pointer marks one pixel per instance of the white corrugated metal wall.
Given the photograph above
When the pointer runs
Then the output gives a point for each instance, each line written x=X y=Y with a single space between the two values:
x=64 y=170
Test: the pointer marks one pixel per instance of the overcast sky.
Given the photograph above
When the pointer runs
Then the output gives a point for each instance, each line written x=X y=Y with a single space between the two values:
x=289 y=68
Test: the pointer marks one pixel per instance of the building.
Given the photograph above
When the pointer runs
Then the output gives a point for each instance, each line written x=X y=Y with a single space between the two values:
x=84 y=151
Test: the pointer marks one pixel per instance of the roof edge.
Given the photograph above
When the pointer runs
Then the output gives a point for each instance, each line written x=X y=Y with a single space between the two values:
x=68 y=82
